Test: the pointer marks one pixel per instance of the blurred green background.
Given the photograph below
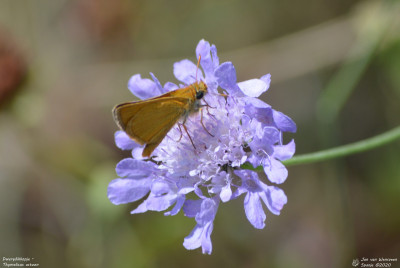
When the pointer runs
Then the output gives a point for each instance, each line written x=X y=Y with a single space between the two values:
x=335 y=69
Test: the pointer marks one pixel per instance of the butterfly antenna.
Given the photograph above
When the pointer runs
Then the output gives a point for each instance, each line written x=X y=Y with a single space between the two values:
x=198 y=63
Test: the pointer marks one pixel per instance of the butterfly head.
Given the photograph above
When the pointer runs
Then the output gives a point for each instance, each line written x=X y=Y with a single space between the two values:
x=201 y=89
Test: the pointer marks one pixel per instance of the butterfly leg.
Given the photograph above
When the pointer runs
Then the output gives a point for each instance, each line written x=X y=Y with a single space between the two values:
x=208 y=112
x=180 y=130
x=190 y=138
x=207 y=105
x=201 y=121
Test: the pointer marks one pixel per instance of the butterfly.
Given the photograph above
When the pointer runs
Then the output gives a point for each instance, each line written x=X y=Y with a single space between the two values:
x=148 y=121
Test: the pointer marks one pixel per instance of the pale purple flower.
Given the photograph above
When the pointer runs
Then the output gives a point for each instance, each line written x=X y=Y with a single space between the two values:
x=243 y=129
x=256 y=191
x=203 y=210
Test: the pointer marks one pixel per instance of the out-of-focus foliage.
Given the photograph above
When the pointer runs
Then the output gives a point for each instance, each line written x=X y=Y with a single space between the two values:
x=66 y=63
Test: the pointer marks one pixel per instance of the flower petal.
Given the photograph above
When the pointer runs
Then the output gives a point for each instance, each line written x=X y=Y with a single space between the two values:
x=141 y=208
x=253 y=87
x=200 y=236
x=143 y=88
x=169 y=86
x=160 y=203
x=158 y=84
x=284 y=122
x=134 y=168
x=254 y=160
x=178 y=205
x=192 y=207
x=123 y=141
x=203 y=50
x=214 y=56
x=160 y=187
x=263 y=115
x=206 y=245
x=270 y=135
x=267 y=79
x=275 y=199
x=185 y=71
x=276 y=171
x=193 y=240
x=121 y=191
x=226 y=193
x=137 y=152
x=284 y=152
x=257 y=103
x=226 y=78
x=207 y=212
x=254 y=211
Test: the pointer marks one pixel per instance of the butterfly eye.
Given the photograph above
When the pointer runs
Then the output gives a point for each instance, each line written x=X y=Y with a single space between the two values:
x=199 y=94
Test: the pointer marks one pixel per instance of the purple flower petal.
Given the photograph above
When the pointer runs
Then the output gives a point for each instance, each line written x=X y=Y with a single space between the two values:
x=134 y=168
x=253 y=87
x=263 y=115
x=137 y=152
x=178 y=205
x=254 y=159
x=226 y=78
x=284 y=152
x=257 y=103
x=160 y=187
x=140 y=209
x=186 y=185
x=214 y=56
x=143 y=88
x=203 y=49
x=226 y=193
x=276 y=171
x=121 y=191
x=275 y=199
x=257 y=129
x=264 y=144
x=254 y=211
x=192 y=207
x=201 y=234
x=160 y=203
x=267 y=79
x=185 y=71
x=157 y=83
x=169 y=86
x=193 y=240
x=207 y=212
x=123 y=141
x=284 y=122
x=206 y=245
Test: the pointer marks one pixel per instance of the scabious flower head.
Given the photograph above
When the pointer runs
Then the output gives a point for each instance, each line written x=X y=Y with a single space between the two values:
x=238 y=129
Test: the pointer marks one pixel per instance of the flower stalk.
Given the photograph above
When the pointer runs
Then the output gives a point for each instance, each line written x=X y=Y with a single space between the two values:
x=340 y=151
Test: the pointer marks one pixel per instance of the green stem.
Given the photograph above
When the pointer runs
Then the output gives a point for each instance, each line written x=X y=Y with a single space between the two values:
x=340 y=151
x=353 y=148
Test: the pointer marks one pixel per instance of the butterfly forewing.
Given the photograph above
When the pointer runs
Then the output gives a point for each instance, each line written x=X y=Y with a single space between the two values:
x=147 y=122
